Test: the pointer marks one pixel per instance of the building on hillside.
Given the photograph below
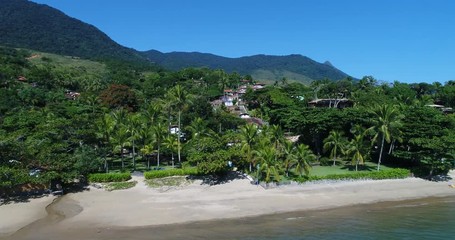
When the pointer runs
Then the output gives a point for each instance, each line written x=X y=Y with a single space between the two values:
x=22 y=79
x=72 y=95
x=442 y=108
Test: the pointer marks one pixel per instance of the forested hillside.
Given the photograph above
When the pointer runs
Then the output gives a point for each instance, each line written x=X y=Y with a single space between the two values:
x=35 y=26
x=63 y=118
x=264 y=67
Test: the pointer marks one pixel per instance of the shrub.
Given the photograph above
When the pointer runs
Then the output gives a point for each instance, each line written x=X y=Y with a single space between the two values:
x=109 y=177
x=385 y=174
x=170 y=172
x=120 y=185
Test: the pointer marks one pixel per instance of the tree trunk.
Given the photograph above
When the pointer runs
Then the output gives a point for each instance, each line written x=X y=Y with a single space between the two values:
x=106 y=165
x=158 y=157
x=392 y=146
x=121 y=156
x=334 y=161
x=178 y=137
x=134 y=157
x=172 y=160
x=380 y=153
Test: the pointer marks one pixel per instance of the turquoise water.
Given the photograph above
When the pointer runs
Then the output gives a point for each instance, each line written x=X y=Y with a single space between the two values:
x=420 y=219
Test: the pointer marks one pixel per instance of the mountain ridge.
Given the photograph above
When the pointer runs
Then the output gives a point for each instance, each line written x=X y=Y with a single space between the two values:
x=31 y=25
x=293 y=67
x=39 y=27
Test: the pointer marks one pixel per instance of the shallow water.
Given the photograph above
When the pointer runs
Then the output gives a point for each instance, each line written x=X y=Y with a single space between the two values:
x=432 y=218
x=420 y=219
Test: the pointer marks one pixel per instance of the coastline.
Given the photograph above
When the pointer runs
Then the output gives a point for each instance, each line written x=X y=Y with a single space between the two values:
x=97 y=210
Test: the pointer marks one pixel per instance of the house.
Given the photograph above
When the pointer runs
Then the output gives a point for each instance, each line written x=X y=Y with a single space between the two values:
x=228 y=101
x=72 y=95
x=442 y=108
x=257 y=121
x=174 y=129
x=258 y=86
x=331 y=103
x=22 y=79
x=244 y=115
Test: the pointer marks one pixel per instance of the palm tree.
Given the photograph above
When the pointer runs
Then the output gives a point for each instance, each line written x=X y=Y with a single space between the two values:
x=288 y=148
x=147 y=150
x=302 y=157
x=105 y=128
x=355 y=150
x=276 y=135
x=153 y=113
x=158 y=131
x=120 y=139
x=180 y=98
x=133 y=127
x=170 y=142
x=334 y=143
x=268 y=165
x=386 y=123
x=198 y=130
x=249 y=134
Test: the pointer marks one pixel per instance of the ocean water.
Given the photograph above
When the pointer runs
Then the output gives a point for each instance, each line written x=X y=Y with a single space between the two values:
x=432 y=218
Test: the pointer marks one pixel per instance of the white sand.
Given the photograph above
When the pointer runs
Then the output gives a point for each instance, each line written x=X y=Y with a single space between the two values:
x=142 y=206
x=14 y=216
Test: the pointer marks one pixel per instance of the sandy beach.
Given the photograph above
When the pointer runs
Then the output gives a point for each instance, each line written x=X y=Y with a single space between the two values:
x=98 y=209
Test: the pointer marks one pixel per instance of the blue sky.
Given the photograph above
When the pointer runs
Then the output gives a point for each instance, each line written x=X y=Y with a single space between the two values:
x=404 y=40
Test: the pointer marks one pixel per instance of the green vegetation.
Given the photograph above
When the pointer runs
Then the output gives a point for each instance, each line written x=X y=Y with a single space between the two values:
x=62 y=121
x=170 y=173
x=373 y=175
x=119 y=185
x=108 y=177
x=174 y=181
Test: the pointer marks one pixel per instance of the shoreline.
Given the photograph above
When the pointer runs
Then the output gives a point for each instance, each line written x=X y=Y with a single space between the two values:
x=140 y=207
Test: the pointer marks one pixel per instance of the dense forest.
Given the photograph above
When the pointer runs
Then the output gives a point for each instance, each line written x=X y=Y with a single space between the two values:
x=63 y=118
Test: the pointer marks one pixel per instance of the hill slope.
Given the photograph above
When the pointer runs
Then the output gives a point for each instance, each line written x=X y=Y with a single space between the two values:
x=263 y=67
x=35 y=26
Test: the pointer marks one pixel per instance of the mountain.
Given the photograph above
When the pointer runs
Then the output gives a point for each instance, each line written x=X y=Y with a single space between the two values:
x=263 y=67
x=26 y=24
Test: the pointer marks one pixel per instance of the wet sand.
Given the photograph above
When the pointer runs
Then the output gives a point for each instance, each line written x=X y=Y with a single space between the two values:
x=97 y=214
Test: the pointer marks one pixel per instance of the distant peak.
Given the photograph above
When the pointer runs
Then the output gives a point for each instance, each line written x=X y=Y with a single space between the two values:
x=328 y=63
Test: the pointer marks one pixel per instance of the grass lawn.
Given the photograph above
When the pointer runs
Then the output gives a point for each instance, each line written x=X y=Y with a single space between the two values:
x=342 y=169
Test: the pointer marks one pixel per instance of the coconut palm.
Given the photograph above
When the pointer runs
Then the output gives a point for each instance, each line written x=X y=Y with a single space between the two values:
x=105 y=127
x=288 y=148
x=120 y=139
x=335 y=143
x=158 y=132
x=198 y=130
x=180 y=98
x=302 y=157
x=276 y=135
x=386 y=124
x=355 y=150
x=153 y=113
x=248 y=134
x=269 y=167
x=133 y=126
x=170 y=142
